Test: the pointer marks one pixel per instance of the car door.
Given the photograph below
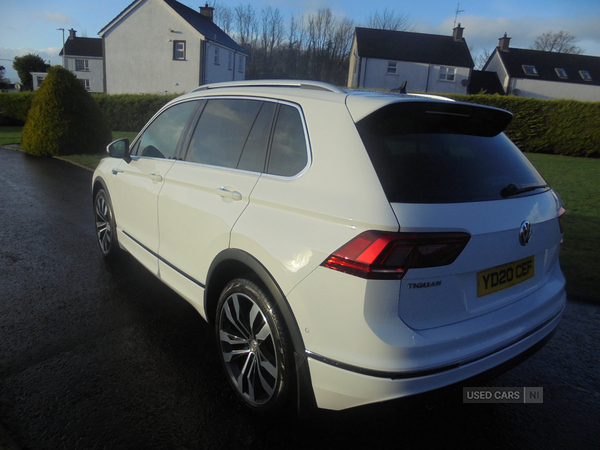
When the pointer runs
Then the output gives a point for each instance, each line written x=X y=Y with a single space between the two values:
x=204 y=195
x=138 y=183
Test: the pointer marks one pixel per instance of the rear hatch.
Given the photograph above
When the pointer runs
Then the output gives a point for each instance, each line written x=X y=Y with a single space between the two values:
x=446 y=168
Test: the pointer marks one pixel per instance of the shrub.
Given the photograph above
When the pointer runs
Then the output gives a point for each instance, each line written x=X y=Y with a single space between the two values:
x=64 y=119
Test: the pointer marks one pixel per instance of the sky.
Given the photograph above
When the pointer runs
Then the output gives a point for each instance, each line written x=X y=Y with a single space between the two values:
x=31 y=26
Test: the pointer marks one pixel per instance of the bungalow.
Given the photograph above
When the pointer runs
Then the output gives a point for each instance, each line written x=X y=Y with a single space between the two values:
x=426 y=62
x=545 y=75
x=158 y=46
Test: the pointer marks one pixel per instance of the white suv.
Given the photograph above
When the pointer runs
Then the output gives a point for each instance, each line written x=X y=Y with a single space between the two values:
x=349 y=247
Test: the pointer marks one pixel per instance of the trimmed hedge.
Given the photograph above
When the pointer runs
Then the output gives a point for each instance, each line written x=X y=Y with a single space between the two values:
x=130 y=112
x=565 y=127
x=15 y=106
x=561 y=127
x=124 y=112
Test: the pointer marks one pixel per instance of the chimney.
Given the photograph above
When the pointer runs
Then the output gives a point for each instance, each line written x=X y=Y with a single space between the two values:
x=207 y=12
x=457 y=33
x=503 y=43
x=72 y=33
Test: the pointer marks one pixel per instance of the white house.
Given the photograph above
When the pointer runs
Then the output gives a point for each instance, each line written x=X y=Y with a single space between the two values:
x=428 y=63
x=545 y=75
x=83 y=57
x=158 y=46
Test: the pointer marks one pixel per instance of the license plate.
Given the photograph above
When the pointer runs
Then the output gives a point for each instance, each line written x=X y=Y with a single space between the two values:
x=505 y=276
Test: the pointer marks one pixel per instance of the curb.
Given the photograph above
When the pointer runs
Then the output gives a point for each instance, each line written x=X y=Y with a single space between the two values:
x=73 y=162
x=14 y=147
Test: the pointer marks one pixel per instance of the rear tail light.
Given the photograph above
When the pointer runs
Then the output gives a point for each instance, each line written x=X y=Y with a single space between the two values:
x=382 y=256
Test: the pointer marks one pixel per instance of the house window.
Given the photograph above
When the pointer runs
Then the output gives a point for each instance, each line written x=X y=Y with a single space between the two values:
x=86 y=83
x=562 y=73
x=392 y=68
x=530 y=70
x=82 y=65
x=179 y=50
x=230 y=62
x=240 y=64
x=216 y=55
x=585 y=75
x=447 y=73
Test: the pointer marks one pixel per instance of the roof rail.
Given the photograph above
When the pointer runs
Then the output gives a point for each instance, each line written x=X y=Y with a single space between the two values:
x=301 y=84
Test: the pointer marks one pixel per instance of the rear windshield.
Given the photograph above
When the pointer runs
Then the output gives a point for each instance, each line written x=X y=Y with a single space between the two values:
x=433 y=153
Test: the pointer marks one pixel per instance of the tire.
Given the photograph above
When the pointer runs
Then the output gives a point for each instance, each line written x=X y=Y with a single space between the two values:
x=253 y=346
x=106 y=228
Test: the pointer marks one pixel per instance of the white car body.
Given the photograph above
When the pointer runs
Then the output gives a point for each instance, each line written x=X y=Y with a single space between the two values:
x=355 y=340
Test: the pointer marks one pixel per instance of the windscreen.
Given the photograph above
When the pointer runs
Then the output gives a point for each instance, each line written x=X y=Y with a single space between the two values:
x=444 y=153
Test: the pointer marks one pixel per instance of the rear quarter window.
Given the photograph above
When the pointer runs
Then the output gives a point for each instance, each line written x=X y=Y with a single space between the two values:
x=288 y=155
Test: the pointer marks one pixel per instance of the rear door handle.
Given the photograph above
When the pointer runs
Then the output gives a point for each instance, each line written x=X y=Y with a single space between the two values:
x=156 y=177
x=116 y=171
x=225 y=193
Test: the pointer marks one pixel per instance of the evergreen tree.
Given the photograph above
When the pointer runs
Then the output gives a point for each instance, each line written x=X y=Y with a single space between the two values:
x=64 y=119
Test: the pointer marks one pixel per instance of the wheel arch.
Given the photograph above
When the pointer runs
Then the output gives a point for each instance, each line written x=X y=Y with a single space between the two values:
x=236 y=263
x=98 y=184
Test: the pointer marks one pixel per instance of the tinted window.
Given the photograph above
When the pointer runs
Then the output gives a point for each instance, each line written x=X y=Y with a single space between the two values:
x=222 y=131
x=254 y=152
x=160 y=139
x=288 y=151
x=443 y=157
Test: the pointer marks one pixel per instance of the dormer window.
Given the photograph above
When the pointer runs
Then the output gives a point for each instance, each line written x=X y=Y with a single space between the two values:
x=562 y=73
x=585 y=75
x=530 y=70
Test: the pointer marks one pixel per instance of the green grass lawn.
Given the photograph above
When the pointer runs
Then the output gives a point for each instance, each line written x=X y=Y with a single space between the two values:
x=577 y=180
x=10 y=135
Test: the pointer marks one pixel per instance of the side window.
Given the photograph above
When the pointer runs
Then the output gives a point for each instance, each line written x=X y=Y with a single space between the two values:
x=288 y=151
x=255 y=150
x=161 y=137
x=222 y=132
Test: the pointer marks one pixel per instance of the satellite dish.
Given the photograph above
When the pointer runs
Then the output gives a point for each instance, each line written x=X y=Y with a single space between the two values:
x=516 y=91
x=465 y=82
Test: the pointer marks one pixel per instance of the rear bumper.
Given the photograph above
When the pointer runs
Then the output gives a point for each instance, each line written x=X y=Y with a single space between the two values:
x=339 y=386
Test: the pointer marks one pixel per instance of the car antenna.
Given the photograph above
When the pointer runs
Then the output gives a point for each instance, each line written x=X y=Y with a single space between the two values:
x=401 y=89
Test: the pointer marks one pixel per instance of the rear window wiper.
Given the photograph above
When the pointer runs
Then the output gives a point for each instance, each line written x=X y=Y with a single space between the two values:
x=513 y=189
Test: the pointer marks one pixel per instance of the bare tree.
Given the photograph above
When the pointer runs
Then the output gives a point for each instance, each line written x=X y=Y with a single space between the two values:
x=271 y=36
x=246 y=24
x=389 y=20
x=481 y=58
x=561 y=42
x=224 y=18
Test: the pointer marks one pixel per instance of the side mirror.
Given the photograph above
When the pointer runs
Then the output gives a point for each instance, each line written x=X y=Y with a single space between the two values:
x=119 y=149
